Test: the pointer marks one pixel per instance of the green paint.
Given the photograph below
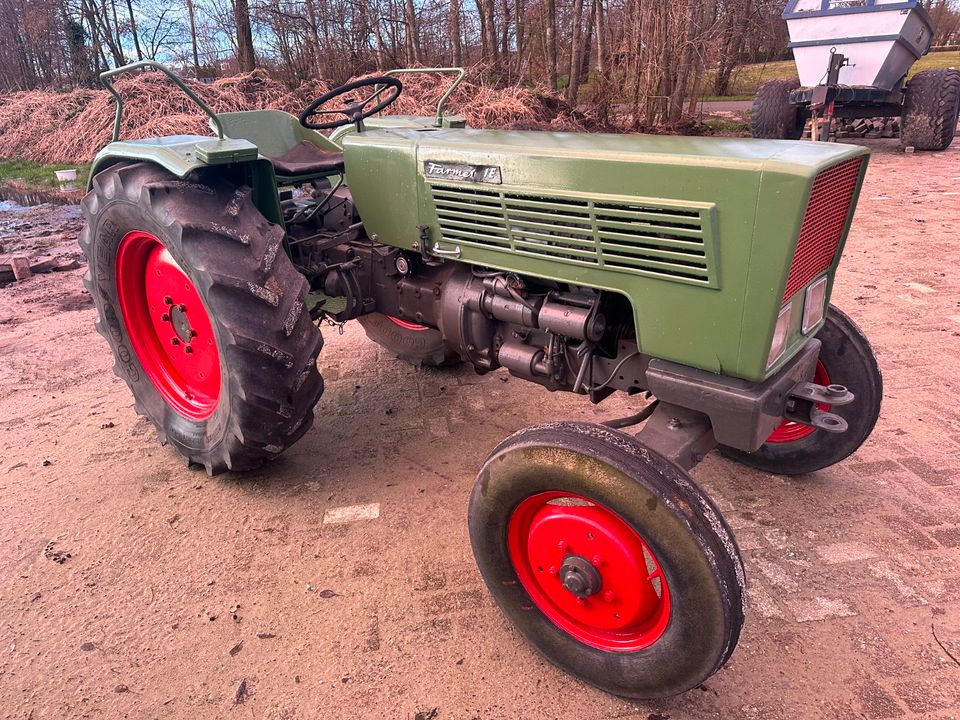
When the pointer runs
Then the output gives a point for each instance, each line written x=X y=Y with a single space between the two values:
x=749 y=197
x=716 y=219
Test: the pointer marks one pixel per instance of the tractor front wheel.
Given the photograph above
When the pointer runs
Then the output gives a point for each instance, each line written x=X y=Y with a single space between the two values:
x=608 y=559
x=846 y=358
x=205 y=314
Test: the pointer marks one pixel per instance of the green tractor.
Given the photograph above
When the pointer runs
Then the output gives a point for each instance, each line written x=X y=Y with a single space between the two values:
x=693 y=271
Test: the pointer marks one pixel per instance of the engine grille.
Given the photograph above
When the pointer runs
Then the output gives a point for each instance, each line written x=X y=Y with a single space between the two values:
x=672 y=241
x=823 y=223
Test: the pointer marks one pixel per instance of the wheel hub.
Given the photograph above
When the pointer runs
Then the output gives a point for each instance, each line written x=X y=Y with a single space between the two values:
x=168 y=326
x=579 y=576
x=181 y=324
x=588 y=571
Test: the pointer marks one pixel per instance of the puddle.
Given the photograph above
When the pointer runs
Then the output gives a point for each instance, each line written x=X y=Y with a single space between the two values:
x=18 y=196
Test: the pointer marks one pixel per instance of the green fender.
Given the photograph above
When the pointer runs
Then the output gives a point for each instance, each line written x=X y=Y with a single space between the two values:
x=182 y=154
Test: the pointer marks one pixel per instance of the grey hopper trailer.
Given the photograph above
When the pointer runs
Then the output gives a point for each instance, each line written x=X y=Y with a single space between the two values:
x=852 y=60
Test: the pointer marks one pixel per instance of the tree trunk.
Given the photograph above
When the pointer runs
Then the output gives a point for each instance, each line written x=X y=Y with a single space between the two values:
x=246 y=57
x=193 y=37
x=411 y=36
x=521 y=39
x=601 y=95
x=550 y=39
x=488 y=31
x=133 y=30
x=573 y=67
x=453 y=28
x=735 y=27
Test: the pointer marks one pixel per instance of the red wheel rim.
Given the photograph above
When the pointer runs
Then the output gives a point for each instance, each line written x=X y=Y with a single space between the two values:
x=788 y=431
x=552 y=532
x=406 y=325
x=168 y=326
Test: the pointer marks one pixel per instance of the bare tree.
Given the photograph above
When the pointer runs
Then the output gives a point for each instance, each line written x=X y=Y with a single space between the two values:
x=246 y=57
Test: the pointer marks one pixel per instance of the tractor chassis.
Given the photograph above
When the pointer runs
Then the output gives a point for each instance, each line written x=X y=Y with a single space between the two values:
x=694 y=410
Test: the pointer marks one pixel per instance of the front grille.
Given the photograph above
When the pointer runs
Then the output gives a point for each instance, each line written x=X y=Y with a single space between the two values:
x=823 y=223
x=636 y=236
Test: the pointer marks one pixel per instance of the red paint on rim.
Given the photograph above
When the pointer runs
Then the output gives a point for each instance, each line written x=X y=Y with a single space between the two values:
x=787 y=431
x=631 y=609
x=168 y=326
x=406 y=325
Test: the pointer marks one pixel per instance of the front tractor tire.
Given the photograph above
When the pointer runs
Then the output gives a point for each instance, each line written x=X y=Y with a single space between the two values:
x=608 y=559
x=773 y=117
x=204 y=312
x=846 y=358
x=931 y=105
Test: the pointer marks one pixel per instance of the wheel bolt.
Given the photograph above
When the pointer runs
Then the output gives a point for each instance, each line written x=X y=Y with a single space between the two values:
x=168 y=300
x=597 y=561
x=174 y=341
x=188 y=349
x=562 y=545
x=609 y=596
x=181 y=307
x=165 y=317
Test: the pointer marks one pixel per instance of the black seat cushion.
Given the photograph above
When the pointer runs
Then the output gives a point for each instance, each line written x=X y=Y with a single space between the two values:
x=305 y=158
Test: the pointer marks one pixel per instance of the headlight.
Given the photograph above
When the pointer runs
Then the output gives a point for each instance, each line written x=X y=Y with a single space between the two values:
x=780 y=333
x=813 y=304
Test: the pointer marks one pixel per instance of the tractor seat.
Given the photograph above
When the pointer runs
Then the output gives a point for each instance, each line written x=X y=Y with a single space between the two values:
x=296 y=152
x=305 y=158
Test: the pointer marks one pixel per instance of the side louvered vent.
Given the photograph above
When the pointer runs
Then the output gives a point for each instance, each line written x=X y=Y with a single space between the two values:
x=671 y=241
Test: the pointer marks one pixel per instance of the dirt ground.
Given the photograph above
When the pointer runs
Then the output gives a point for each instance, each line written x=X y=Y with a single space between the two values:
x=133 y=587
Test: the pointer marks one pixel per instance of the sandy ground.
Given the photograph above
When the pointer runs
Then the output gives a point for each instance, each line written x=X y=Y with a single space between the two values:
x=133 y=587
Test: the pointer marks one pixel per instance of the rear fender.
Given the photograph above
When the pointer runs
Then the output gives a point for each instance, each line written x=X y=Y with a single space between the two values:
x=182 y=154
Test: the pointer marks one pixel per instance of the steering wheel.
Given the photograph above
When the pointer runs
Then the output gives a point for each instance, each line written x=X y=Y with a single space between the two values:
x=355 y=110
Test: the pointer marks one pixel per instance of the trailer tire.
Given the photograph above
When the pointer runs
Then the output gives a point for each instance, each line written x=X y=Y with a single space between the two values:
x=773 y=117
x=204 y=312
x=416 y=344
x=931 y=106
x=845 y=358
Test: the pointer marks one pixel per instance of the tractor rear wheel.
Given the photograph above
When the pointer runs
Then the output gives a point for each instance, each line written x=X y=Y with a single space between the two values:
x=608 y=559
x=931 y=105
x=846 y=358
x=414 y=343
x=773 y=117
x=204 y=313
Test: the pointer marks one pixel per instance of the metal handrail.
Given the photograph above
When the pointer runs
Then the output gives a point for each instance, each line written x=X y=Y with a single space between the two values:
x=104 y=79
x=443 y=98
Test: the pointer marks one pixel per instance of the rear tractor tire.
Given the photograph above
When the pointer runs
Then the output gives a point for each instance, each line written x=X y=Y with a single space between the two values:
x=773 y=117
x=416 y=344
x=931 y=106
x=204 y=312
x=608 y=559
x=846 y=358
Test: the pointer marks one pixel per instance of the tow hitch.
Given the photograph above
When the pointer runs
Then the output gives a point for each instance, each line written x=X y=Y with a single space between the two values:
x=808 y=404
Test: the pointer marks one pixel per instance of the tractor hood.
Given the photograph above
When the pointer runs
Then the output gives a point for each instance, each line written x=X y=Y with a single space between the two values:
x=699 y=233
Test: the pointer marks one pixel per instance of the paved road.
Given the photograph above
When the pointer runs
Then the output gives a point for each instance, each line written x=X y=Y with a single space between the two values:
x=725 y=106
x=852 y=569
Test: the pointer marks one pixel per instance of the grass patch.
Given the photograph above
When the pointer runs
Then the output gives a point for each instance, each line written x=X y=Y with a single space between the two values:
x=723 y=98
x=40 y=176
x=747 y=78
x=721 y=126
